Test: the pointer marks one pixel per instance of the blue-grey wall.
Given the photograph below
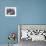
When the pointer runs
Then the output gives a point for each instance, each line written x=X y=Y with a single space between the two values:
x=28 y=12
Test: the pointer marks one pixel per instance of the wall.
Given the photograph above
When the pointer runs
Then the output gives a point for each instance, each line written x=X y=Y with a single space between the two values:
x=28 y=12
x=32 y=11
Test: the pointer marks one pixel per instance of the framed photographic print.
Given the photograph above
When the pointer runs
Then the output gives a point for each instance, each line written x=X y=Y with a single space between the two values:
x=10 y=11
x=33 y=32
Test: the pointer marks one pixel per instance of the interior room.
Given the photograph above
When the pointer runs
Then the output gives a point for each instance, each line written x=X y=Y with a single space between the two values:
x=16 y=12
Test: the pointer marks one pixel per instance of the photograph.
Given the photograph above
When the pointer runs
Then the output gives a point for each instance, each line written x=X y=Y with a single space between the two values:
x=10 y=11
x=31 y=33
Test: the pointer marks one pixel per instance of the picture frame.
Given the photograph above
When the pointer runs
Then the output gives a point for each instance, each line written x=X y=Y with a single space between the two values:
x=10 y=11
x=39 y=35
